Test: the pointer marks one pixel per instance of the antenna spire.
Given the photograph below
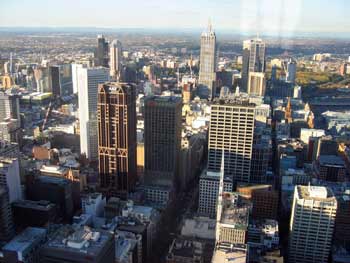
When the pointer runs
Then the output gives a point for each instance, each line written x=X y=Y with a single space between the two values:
x=210 y=26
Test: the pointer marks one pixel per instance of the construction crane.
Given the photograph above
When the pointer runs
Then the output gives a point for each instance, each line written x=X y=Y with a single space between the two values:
x=47 y=115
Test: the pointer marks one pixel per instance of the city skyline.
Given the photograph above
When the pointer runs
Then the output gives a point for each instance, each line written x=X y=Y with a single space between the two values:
x=265 y=16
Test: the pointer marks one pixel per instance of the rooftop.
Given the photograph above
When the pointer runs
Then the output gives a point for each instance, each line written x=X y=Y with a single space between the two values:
x=38 y=205
x=235 y=211
x=230 y=253
x=81 y=240
x=320 y=193
x=331 y=160
x=25 y=239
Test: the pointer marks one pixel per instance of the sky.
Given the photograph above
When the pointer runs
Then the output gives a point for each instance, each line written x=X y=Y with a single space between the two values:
x=261 y=16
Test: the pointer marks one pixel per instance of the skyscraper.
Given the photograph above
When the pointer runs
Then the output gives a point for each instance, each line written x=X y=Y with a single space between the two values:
x=162 y=139
x=231 y=130
x=54 y=80
x=117 y=137
x=207 y=67
x=7 y=230
x=87 y=82
x=256 y=83
x=253 y=59
x=291 y=70
x=115 y=54
x=312 y=224
x=101 y=53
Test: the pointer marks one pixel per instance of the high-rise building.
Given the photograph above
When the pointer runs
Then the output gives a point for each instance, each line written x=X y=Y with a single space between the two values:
x=75 y=80
x=253 y=59
x=291 y=71
x=25 y=247
x=54 y=80
x=101 y=53
x=79 y=245
x=231 y=131
x=88 y=80
x=7 y=230
x=115 y=53
x=209 y=190
x=117 y=137
x=9 y=107
x=207 y=66
x=312 y=224
x=10 y=178
x=162 y=139
x=256 y=83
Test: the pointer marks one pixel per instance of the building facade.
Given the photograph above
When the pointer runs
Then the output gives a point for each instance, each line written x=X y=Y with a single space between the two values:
x=88 y=81
x=253 y=59
x=101 y=53
x=231 y=131
x=117 y=137
x=162 y=139
x=312 y=224
x=207 y=67
x=115 y=54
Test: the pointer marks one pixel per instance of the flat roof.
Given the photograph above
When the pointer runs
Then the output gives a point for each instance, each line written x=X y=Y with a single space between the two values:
x=24 y=240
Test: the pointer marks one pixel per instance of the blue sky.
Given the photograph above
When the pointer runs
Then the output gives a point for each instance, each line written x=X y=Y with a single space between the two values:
x=237 y=15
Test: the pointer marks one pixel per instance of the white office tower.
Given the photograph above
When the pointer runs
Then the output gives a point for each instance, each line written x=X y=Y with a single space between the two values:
x=291 y=71
x=312 y=224
x=10 y=178
x=88 y=80
x=207 y=65
x=231 y=130
x=115 y=53
x=256 y=84
x=75 y=76
x=253 y=59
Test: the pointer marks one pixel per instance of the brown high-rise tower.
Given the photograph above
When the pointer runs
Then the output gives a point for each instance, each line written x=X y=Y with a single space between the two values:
x=117 y=138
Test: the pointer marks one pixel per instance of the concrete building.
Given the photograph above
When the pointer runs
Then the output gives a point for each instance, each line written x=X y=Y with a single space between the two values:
x=265 y=233
x=184 y=250
x=232 y=131
x=101 y=52
x=79 y=245
x=233 y=222
x=256 y=84
x=253 y=59
x=227 y=252
x=8 y=149
x=27 y=213
x=115 y=59
x=291 y=71
x=93 y=204
x=127 y=247
x=88 y=81
x=25 y=247
x=7 y=230
x=209 y=190
x=9 y=107
x=117 y=138
x=207 y=76
x=306 y=134
x=312 y=224
x=10 y=178
x=54 y=189
x=264 y=199
x=162 y=140
x=330 y=168
x=192 y=151
x=54 y=81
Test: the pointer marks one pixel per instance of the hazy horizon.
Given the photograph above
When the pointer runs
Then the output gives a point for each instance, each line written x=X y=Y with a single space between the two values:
x=275 y=17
